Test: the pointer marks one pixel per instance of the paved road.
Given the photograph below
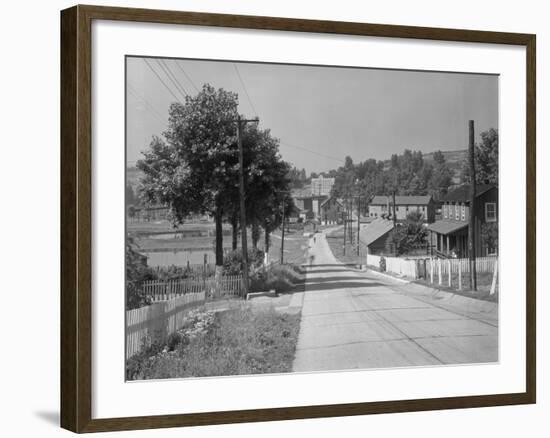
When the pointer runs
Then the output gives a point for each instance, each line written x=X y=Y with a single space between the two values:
x=353 y=319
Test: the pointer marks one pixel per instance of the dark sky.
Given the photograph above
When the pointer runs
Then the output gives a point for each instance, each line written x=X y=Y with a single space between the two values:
x=322 y=114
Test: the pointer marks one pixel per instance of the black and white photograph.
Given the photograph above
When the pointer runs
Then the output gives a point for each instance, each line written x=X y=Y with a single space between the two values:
x=286 y=218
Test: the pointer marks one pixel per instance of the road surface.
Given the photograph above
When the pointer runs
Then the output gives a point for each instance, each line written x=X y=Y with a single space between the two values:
x=353 y=319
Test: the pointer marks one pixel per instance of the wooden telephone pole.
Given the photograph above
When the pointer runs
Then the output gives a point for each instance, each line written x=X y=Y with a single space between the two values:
x=244 y=248
x=283 y=233
x=393 y=209
x=345 y=219
x=358 y=221
x=472 y=221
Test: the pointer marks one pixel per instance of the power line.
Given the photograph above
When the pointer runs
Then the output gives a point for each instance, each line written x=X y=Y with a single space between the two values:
x=245 y=90
x=148 y=105
x=160 y=79
x=186 y=75
x=171 y=77
x=310 y=151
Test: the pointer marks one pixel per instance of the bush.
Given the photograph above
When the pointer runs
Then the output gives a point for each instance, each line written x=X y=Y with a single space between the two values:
x=137 y=271
x=233 y=261
x=281 y=278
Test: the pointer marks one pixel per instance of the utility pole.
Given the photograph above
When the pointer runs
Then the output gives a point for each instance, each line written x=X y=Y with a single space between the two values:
x=242 y=202
x=350 y=226
x=393 y=209
x=358 y=221
x=344 y=217
x=283 y=233
x=472 y=221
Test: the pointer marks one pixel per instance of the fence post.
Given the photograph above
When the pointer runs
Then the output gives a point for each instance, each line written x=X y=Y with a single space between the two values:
x=494 y=282
x=460 y=276
x=449 y=267
x=440 y=279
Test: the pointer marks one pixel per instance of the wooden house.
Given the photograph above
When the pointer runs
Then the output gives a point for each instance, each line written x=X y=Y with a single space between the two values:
x=450 y=234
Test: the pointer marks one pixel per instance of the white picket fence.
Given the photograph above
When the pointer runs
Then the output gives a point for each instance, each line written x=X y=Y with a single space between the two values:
x=483 y=264
x=160 y=290
x=171 y=300
x=395 y=265
x=373 y=260
x=409 y=267
x=154 y=323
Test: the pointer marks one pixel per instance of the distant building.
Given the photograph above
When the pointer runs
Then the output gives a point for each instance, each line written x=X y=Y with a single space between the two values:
x=383 y=206
x=309 y=204
x=450 y=234
x=331 y=210
x=374 y=235
x=321 y=186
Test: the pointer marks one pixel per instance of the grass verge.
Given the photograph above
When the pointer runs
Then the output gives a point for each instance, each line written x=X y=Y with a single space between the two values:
x=335 y=242
x=484 y=281
x=238 y=341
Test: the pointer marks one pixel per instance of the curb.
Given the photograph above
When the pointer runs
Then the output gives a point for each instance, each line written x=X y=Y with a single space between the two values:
x=388 y=276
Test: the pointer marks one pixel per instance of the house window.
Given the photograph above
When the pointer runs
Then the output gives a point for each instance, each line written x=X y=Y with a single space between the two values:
x=457 y=212
x=445 y=214
x=490 y=212
x=463 y=212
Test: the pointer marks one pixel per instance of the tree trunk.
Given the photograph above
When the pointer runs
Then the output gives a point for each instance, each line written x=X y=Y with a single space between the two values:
x=267 y=240
x=255 y=235
x=235 y=235
x=219 y=237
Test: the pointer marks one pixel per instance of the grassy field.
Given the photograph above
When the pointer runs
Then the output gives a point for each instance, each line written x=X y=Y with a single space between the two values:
x=241 y=340
x=295 y=247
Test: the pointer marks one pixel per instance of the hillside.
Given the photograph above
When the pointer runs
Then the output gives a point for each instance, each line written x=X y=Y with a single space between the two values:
x=455 y=160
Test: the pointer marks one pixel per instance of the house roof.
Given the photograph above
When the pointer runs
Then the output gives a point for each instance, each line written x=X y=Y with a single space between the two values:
x=401 y=200
x=329 y=198
x=375 y=230
x=462 y=193
x=446 y=227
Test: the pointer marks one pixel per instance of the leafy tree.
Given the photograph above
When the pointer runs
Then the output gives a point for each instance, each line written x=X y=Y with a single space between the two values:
x=297 y=177
x=408 y=236
x=486 y=159
x=137 y=272
x=441 y=176
x=196 y=164
x=267 y=182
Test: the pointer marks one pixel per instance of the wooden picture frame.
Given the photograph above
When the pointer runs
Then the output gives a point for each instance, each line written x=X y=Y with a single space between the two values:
x=76 y=217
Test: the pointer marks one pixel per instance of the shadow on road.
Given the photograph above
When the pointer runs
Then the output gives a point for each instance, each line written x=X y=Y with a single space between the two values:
x=312 y=287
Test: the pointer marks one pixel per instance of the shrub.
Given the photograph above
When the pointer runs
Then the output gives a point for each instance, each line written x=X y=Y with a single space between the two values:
x=281 y=278
x=383 y=264
x=233 y=261
x=137 y=271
